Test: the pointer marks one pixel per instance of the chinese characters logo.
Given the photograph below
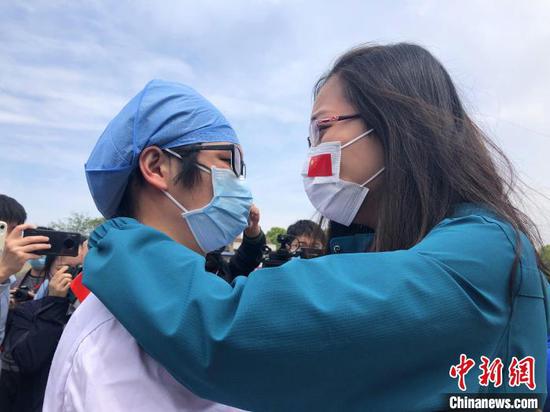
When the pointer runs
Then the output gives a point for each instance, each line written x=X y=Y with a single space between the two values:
x=520 y=372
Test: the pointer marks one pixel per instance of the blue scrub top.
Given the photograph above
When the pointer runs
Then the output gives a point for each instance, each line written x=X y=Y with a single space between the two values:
x=350 y=331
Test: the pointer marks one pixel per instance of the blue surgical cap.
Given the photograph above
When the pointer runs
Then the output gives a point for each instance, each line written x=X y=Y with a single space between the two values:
x=163 y=114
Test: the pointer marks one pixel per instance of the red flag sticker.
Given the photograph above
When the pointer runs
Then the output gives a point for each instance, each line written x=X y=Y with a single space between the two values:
x=320 y=165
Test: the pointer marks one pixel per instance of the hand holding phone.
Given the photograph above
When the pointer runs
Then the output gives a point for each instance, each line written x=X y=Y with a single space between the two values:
x=17 y=250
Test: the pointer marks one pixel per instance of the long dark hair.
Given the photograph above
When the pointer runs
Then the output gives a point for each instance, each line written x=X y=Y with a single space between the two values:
x=434 y=154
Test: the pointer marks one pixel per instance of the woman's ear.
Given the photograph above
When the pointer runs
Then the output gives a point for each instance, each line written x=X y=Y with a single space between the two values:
x=155 y=168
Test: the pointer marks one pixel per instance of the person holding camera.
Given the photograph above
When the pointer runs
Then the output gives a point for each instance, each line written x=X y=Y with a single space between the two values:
x=304 y=239
x=28 y=285
x=246 y=258
x=73 y=264
x=16 y=251
x=169 y=162
x=306 y=234
x=437 y=262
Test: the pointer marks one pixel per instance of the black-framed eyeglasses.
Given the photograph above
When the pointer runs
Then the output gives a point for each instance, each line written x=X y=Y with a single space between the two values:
x=296 y=245
x=317 y=125
x=237 y=163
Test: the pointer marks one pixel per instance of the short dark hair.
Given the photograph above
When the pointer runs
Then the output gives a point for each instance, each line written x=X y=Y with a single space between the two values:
x=189 y=176
x=11 y=210
x=307 y=228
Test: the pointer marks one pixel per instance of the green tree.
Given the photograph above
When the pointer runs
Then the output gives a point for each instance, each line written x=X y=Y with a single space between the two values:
x=273 y=233
x=78 y=222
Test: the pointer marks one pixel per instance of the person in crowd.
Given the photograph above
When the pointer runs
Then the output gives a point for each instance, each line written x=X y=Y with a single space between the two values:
x=16 y=251
x=33 y=330
x=306 y=234
x=445 y=263
x=176 y=167
x=74 y=263
x=246 y=258
x=28 y=285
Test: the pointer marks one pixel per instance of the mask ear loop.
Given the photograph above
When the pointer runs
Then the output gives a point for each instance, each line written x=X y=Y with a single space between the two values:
x=203 y=168
x=168 y=195
x=199 y=165
x=173 y=153
x=357 y=138
x=374 y=177
x=173 y=199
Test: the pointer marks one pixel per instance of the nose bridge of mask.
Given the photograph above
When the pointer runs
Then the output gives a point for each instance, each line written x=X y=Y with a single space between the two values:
x=221 y=220
x=221 y=176
x=219 y=189
x=225 y=183
x=231 y=201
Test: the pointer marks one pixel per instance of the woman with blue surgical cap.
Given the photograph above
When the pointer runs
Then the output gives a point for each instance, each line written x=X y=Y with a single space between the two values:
x=430 y=260
x=171 y=164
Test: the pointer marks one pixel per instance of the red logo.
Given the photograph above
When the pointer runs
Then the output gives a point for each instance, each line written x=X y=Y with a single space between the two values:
x=492 y=372
x=520 y=372
x=461 y=370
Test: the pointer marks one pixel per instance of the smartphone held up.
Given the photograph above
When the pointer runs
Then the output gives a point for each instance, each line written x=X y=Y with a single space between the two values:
x=62 y=243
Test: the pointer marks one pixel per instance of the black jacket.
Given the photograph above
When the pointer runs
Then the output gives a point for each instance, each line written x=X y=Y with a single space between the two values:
x=33 y=331
x=246 y=258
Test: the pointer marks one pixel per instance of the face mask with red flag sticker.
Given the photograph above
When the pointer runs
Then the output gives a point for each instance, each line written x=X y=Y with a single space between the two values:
x=336 y=199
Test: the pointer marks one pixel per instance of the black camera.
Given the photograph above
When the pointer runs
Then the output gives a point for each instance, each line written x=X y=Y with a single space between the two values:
x=74 y=270
x=22 y=294
x=283 y=254
x=63 y=243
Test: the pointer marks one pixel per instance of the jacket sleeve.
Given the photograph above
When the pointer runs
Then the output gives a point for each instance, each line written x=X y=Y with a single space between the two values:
x=293 y=336
x=38 y=332
x=248 y=256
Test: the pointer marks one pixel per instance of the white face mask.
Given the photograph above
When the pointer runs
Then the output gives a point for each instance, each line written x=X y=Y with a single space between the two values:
x=226 y=216
x=336 y=199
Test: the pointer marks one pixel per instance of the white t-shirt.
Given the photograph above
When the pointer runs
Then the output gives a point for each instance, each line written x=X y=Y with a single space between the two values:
x=98 y=366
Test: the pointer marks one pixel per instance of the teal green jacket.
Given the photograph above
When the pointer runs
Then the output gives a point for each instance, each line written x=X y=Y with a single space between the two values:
x=345 y=332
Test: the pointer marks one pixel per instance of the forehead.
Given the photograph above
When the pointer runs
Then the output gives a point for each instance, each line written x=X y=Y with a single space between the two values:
x=304 y=238
x=331 y=99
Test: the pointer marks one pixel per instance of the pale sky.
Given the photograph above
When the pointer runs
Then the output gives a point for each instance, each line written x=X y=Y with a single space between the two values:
x=66 y=68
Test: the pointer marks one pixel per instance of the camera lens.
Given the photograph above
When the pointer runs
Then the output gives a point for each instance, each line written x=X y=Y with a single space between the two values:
x=68 y=244
x=2 y=226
